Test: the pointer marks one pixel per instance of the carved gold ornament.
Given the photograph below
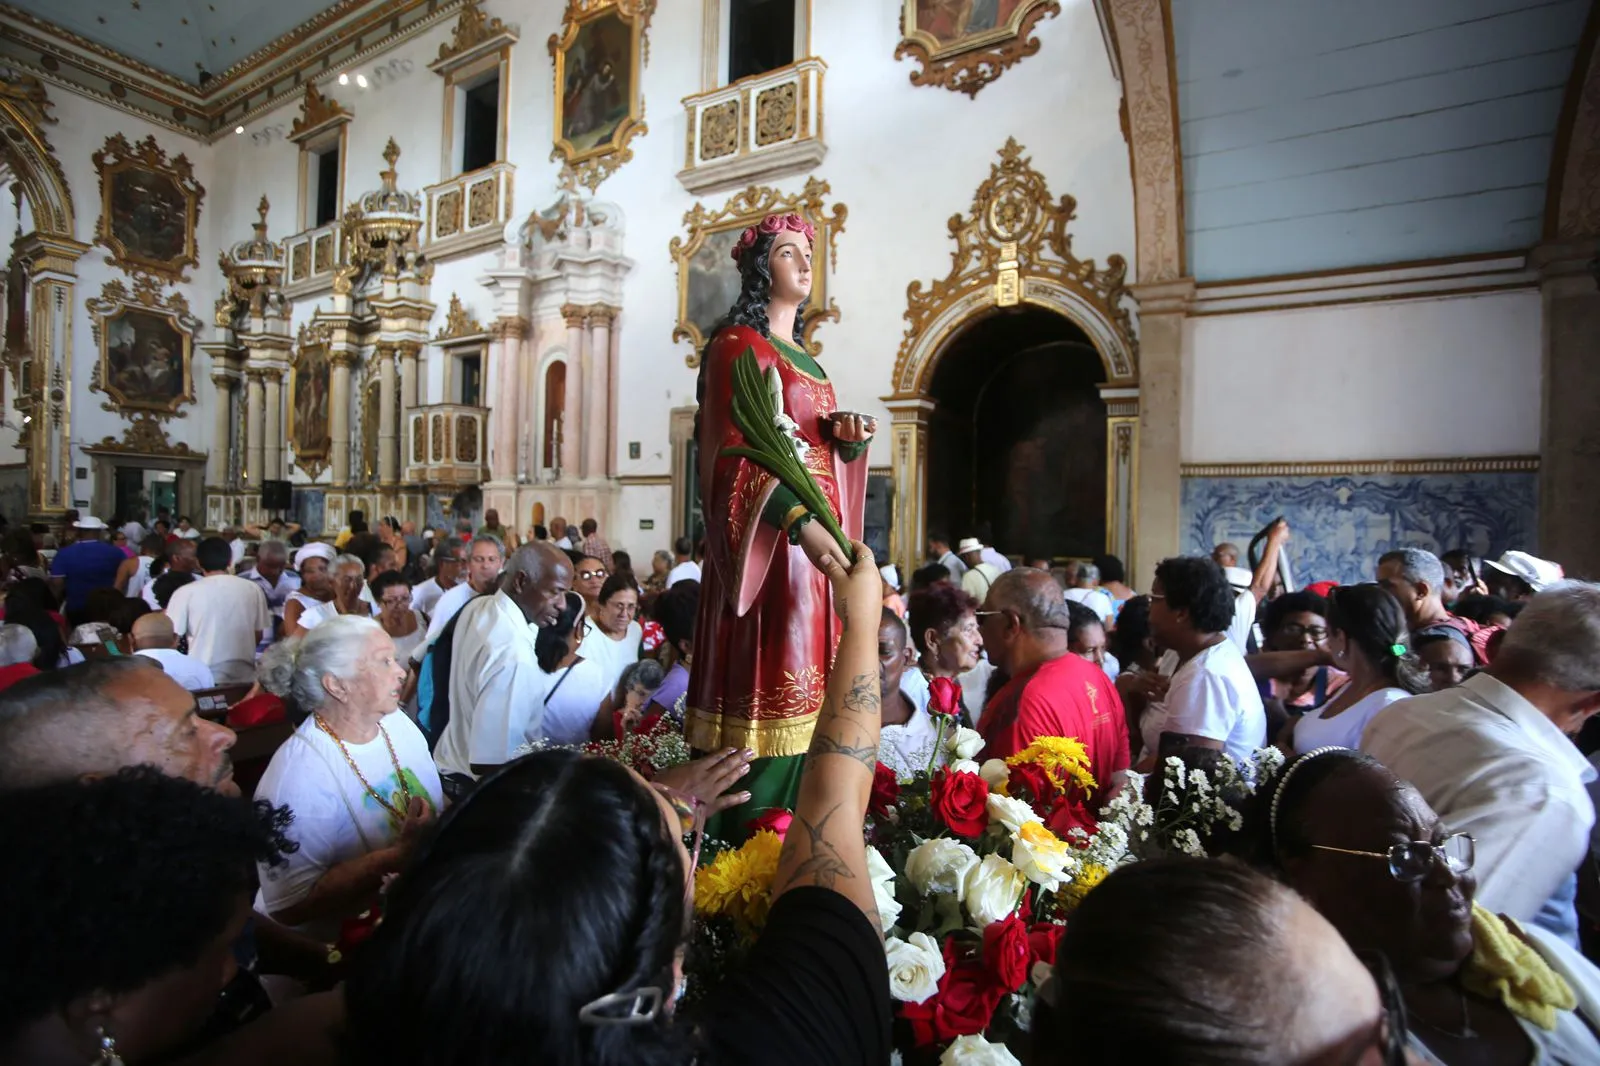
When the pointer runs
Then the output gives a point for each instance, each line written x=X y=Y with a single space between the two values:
x=708 y=276
x=776 y=114
x=473 y=28
x=24 y=148
x=459 y=321
x=148 y=208
x=599 y=53
x=965 y=46
x=146 y=347
x=144 y=437
x=1013 y=248
x=317 y=113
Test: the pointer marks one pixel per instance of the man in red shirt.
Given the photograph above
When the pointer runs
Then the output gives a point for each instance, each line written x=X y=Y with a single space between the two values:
x=1051 y=692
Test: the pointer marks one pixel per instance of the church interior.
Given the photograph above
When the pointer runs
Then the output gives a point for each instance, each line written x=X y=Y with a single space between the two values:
x=1116 y=276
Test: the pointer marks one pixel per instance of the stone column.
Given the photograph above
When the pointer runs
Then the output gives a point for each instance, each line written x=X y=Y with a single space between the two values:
x=255 y=400
x=221 y=430
x=572 y=420
x=388 y=437
x=272 y=468
x=909 y=426
x=339 y=416
x=597 y=424
x=409 y=386
x=1569 y=509
x=1162 y=308
x=505 y=355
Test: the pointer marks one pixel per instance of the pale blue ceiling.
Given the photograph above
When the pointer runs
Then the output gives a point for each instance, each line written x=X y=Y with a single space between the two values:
x=178 y=36
x=1320 y=134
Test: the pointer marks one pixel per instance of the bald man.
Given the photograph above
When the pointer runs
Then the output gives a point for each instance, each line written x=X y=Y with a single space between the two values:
x=1051 y=692
x=155 y=638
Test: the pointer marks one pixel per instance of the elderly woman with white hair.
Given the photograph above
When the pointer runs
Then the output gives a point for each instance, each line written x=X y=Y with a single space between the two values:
x=356 y=773
x=330 y=585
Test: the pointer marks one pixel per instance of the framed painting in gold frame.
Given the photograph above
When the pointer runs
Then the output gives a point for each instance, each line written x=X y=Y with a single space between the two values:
x=310 y=401
x=146 y=347
x=708 y=278
x=148 y=207
x=963 y=45
x=598 y=54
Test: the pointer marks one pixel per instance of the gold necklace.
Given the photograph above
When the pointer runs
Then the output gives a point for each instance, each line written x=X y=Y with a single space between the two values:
x=398 y=814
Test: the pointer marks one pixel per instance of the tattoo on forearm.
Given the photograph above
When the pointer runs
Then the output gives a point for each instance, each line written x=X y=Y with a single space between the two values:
x=863 y=697
x=819 y=862
x=865 y=754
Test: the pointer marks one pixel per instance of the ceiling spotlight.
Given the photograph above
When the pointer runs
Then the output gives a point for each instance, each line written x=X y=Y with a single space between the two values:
x=238 y=129
x=361 y=80
x=344 y=79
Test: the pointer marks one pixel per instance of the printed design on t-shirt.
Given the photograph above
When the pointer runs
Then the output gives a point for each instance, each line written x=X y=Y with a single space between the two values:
x=1094 y=702
x=390 y=788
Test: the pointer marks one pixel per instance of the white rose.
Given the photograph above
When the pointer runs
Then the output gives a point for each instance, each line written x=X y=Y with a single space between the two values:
x=996 y=773
x=881 y=874
x=964 y=766
x=976 y=1051
x=1044 y=858
x=940 y=865
x=992 y=890
x=1011 y=813
x=915 y=966
x=964 y=743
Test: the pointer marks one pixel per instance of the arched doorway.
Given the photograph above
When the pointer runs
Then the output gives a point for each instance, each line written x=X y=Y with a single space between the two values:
x=1017 y=441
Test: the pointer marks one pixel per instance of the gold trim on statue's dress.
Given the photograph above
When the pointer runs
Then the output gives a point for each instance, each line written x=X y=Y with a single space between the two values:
x=771 y=738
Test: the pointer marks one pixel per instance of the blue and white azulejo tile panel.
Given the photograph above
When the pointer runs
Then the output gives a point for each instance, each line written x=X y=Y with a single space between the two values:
x=1341 y=524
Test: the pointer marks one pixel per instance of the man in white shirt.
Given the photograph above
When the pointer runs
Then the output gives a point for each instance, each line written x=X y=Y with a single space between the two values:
x=448 y=559
x=1251 y=588
x=223 y=616
x=1213 y=701
x=939 y=551
x=497 y=689
x=154 y=638
x=1089 y=593
x=185 y=531
x=979 y=575
x=273 y=576
x=684 y=568
x=483 y=571
x=1493 y=756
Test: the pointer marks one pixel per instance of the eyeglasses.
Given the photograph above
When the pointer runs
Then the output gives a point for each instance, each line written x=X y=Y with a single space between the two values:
x=396 y=601
x=585 y=575
x=1392 y=1034
x=1415 y=859
x=1294 y=629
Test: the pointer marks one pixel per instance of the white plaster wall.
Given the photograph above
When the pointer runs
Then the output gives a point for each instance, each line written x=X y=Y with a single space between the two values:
x=1436 y=378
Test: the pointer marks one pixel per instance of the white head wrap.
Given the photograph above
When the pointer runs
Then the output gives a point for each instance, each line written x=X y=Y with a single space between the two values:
x=315 y=550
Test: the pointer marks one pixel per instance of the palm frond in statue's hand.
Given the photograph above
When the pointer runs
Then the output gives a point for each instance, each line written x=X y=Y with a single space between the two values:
x=773 y=440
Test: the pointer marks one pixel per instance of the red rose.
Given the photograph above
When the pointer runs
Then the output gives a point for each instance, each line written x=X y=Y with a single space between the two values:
x=963 y=1006
x=774 y=818
x=1006 y=952
x=944 y=696
x=1042 y=941
x=1028 y=782
x=1069 y=815
x=961 y=801
x=885 y=791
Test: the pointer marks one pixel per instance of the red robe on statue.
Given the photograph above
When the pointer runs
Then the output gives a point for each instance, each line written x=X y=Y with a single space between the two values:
x=766 y=632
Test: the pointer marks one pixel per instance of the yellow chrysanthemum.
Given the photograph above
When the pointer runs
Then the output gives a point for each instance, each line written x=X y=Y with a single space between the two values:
x=1061 y=758
x=738 y=883
x=1073 y=892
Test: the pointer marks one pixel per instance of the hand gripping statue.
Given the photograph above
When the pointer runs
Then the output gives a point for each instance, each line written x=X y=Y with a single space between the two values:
x=766 y=633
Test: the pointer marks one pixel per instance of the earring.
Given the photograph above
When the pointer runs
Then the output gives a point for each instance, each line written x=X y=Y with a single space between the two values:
x=108 y=1048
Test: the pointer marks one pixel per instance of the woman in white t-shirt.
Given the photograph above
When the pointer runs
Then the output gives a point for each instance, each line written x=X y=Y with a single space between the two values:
x=356 y=773
x=1368 y=640
x=577 y=685
x=907 y=737
x=614 y=636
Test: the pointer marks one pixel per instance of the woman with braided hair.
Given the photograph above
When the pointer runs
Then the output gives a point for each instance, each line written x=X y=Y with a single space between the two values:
x=765 y=631
x=1366 y=850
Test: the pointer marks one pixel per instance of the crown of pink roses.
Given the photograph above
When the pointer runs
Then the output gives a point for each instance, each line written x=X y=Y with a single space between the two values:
x=773 y=224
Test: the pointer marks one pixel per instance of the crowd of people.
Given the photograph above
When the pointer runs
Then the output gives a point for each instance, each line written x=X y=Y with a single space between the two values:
x=1417 y=884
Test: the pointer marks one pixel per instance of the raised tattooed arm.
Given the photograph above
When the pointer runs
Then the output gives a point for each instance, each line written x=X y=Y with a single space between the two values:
x=824 y=846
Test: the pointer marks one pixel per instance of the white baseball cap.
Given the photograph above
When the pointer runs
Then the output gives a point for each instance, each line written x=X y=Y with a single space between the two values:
x=88 y=521
x=1539 y=574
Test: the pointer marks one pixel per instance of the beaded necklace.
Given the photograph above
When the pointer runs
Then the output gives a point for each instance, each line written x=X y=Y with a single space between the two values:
x=398 y=814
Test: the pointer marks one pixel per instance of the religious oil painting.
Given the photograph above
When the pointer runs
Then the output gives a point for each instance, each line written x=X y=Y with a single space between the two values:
x=310 y=386
x=713 y=282
x=149 y=207
x=145 y=360
x=599 y=108
x=956 y=24
x=963 y=45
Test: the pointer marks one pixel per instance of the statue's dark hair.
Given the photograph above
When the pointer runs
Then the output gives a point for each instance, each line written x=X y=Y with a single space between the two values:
x=750 y=309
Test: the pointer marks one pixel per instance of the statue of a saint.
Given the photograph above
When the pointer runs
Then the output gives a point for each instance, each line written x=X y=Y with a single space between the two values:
x=766 y=633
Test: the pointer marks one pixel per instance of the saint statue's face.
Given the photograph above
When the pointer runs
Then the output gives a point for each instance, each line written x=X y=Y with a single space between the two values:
x=790 y=263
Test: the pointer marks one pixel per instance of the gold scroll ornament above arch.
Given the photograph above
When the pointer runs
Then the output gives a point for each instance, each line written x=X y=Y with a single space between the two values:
x=146 y=348
x=599 y=55
x=149 y=208
x=24 y=112
x=708 y=278
x=964 y=45
x=1013 y=249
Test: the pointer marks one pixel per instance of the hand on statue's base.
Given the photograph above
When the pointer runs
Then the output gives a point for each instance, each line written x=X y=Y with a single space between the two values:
x=851 y=428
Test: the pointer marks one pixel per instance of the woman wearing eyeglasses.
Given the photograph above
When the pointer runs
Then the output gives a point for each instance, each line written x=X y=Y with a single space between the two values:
x=615 y=634
x=1367 y=639
x=1367 y=851
x=1297 y=622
